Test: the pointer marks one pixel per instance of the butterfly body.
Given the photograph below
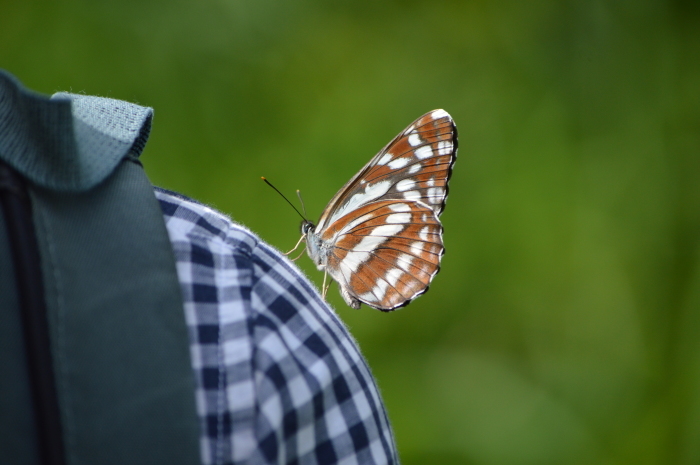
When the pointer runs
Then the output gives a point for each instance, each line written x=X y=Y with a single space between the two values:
x=380 y=236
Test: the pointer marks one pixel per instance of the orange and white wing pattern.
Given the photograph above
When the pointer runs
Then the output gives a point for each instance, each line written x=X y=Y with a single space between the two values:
x=380 y=237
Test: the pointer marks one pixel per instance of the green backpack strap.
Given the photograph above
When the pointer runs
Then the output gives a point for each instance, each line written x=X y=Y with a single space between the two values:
x=117 y=334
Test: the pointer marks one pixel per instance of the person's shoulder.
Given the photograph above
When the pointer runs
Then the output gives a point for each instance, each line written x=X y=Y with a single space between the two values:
x=293 y=356
x=188 y=219
x=205 y=230
x=213 y=249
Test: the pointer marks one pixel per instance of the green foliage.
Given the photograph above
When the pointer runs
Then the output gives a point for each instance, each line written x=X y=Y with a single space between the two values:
x=564 y=325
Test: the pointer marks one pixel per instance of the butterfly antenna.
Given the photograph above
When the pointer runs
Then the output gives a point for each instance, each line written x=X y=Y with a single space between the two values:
x=303 y=208
x=303 y=217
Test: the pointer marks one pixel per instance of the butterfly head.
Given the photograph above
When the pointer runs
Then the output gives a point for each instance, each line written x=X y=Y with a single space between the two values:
x=306 y=227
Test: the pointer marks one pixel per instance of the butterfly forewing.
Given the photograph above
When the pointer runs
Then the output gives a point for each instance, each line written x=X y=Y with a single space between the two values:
x=380 y=237
x=416 y=165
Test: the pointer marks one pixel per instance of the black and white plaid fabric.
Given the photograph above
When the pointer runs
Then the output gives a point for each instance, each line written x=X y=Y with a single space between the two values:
x=279 y=378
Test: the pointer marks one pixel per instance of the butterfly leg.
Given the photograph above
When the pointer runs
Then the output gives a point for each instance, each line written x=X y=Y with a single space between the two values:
x=299 y=256
x=296 y=246
x=324 y=288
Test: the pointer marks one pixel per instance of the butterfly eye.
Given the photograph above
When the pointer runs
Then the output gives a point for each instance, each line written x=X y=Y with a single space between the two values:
x=306 y=226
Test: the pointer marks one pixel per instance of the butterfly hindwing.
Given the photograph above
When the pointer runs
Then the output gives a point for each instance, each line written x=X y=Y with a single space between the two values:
x=389 y=254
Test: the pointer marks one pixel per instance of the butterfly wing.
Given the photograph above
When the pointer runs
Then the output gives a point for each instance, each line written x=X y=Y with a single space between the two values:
x=415 y=166
x=386 y=253
x=382 y=227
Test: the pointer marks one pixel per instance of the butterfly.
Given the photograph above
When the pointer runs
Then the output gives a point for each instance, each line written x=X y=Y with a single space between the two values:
x=380 y=236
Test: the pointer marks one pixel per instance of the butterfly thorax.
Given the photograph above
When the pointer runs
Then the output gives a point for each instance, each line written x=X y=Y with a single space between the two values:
x=314 y=245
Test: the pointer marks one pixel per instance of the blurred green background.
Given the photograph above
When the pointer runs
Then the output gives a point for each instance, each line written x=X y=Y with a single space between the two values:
x=564 y=326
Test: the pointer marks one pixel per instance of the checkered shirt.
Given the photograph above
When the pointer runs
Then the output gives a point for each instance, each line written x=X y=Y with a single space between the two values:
x=278 y=377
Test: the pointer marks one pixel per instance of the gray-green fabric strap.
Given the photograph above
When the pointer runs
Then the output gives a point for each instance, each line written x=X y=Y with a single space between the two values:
x=70 y=142
x=118 y=336
x=17 y=429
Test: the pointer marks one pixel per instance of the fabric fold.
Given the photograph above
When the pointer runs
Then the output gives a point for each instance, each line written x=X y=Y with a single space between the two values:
x=67 y=142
